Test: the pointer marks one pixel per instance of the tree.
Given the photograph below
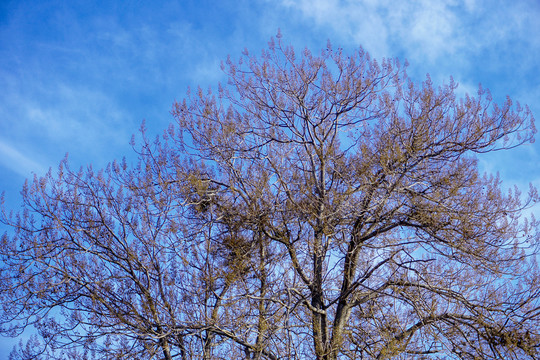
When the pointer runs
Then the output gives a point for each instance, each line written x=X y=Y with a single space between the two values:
x=315 y=207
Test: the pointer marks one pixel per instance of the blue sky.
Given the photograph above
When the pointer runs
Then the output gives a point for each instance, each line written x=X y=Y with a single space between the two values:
x=79 y=77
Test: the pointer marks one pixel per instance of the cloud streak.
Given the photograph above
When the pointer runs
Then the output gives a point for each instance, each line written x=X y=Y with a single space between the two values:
x=20 y=163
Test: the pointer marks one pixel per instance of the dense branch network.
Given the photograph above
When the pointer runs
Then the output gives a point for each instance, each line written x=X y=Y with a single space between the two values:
x=315 y=207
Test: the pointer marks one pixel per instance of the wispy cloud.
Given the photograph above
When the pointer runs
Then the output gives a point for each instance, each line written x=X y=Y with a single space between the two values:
x=53 y=117
x=437 y=34
x=84 y=87
x=20 y=163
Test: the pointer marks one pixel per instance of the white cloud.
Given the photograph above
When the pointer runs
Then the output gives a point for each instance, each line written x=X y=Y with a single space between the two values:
x=18 y=162
x=425 y=30
x=432 y=30
x=358 y=22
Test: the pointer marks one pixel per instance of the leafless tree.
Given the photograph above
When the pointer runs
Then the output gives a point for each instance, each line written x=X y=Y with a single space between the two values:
x=314 y=207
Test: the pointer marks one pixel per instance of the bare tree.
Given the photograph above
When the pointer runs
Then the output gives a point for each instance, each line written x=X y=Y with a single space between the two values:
x=315 y=207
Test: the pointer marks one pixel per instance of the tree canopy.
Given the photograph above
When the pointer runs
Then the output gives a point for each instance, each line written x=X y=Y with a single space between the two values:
x=314 y=207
